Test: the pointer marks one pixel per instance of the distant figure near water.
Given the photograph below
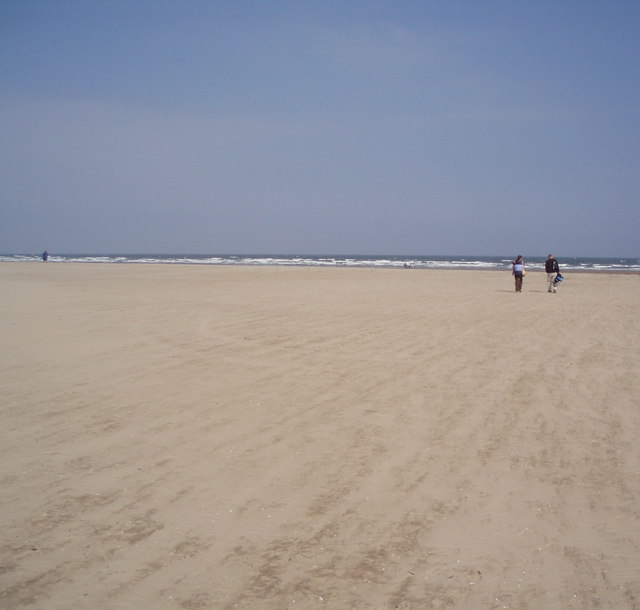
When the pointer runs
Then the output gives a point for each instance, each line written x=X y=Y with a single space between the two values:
x=45 y=256
x=518 y=272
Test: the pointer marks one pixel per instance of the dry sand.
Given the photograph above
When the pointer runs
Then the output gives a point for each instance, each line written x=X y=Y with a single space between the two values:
x=222 y=437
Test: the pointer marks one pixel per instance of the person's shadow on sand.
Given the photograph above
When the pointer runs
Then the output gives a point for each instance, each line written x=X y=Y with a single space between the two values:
x=538 y=291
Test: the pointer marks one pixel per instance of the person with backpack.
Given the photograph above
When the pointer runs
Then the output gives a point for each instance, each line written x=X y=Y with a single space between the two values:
x=553 y=270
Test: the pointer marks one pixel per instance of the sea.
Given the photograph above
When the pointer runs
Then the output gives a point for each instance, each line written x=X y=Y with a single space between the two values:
x=597 y=264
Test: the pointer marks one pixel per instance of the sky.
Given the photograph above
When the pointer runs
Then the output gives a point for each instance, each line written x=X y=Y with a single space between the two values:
x=314 y=127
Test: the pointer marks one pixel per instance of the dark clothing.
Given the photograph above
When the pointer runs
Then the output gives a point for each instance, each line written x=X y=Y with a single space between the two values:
x=551 y=266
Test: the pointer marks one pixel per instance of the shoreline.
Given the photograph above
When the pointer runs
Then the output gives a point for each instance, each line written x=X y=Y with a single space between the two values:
x=311 y=266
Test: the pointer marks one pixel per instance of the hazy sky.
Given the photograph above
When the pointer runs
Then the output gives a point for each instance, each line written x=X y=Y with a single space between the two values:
x=326 y=126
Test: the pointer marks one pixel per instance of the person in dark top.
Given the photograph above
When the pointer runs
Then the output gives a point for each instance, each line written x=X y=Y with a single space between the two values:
x=552 y=268
x=45 y=256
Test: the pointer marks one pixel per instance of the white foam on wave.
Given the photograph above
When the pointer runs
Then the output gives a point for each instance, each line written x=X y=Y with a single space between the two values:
x=415 y=262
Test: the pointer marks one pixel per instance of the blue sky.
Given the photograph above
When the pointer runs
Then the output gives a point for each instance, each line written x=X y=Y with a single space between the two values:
x=380 y=127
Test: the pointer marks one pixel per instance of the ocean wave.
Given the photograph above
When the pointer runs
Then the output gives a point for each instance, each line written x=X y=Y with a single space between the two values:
x=380 y=261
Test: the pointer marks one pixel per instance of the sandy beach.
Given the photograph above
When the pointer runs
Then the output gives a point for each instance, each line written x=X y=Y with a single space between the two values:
x=241 y=437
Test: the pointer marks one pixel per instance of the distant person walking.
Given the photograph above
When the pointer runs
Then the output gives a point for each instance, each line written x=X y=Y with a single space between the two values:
x=45 y=256
x=553 y=269
x=518 y=272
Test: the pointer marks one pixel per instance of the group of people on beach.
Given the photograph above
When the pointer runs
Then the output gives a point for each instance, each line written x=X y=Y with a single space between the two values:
x=554 y=277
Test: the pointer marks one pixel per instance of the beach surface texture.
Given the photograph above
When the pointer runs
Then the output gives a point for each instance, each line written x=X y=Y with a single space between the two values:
x=280 y=438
